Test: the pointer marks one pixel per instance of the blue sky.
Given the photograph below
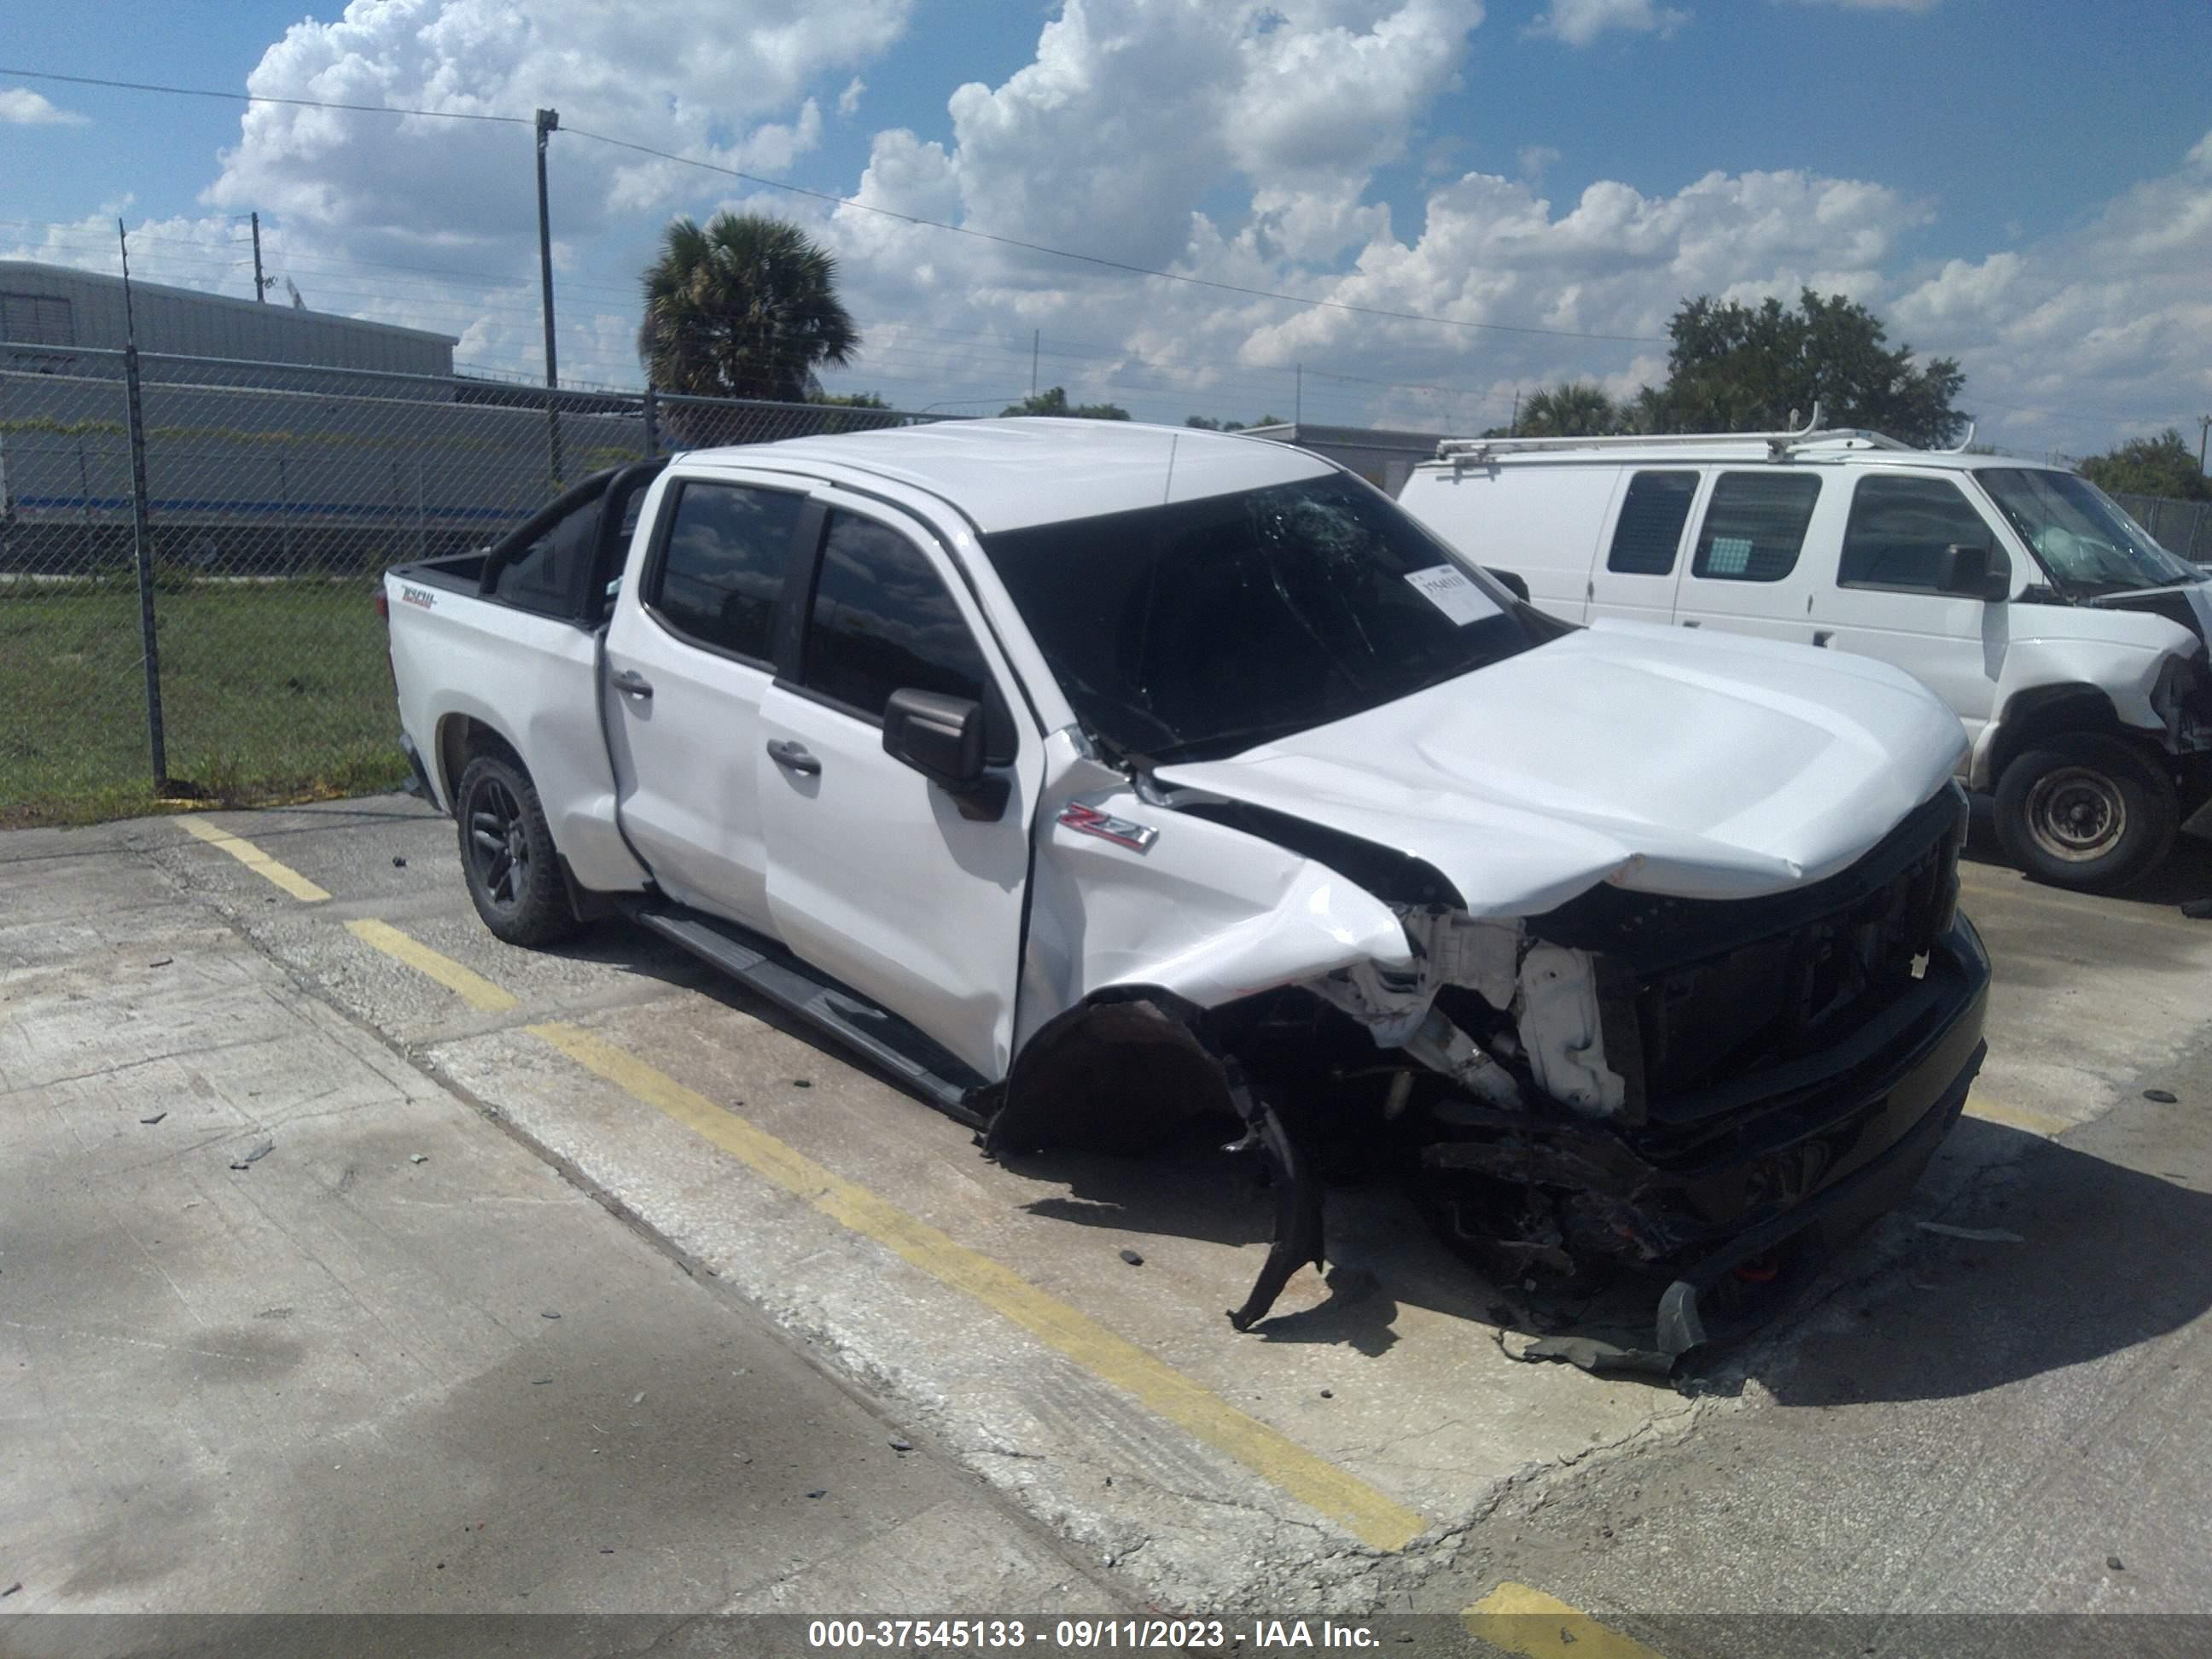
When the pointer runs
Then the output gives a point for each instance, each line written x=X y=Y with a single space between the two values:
x=2009 y=183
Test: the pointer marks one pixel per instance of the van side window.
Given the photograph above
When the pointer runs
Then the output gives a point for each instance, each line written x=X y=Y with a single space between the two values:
x=1650 y=527
x=720 y=571
x=1755 y=526
x=1898 y=529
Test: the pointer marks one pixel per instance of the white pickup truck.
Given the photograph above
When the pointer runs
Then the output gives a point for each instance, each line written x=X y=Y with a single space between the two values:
x=1091 y=778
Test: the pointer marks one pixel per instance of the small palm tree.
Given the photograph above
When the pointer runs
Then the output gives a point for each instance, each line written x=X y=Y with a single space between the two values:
x=747 y=307
x=1573 y=409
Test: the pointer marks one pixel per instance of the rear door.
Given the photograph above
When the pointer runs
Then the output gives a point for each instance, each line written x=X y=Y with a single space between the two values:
x=1883 y=601
x=689 y=659
x=875 y=875
x=1639 y=563
x=1754 y=562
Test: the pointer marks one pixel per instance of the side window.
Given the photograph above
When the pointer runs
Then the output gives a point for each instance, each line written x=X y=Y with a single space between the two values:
x=1650 y=527
x=1755 y=526
x=882 y=621
x=1898 y=529
x=722 y=569
x=545 y=578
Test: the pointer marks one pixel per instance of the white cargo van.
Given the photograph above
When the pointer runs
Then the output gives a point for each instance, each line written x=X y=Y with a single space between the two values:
x=2069 y=644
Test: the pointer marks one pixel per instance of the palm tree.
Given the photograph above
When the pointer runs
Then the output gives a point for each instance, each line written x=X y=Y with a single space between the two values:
x=745 y=308
x=1573 y=409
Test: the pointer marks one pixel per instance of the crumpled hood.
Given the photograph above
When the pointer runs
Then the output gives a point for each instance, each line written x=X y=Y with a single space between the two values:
x=1707 y=766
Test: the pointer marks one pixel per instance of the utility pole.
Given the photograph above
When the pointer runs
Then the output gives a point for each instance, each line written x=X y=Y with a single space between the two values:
x=1298 y=398
x=2203 y=426
x=142 y=533
x=549 y=123
x=1513 y=426
x=260 y=283
x=1037 y=336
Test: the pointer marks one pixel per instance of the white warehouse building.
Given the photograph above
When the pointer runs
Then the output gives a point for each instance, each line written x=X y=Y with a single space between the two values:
x=49 y=308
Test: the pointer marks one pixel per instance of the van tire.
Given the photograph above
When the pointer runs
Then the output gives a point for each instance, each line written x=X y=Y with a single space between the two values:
x=507 y=856
x=2086 y=812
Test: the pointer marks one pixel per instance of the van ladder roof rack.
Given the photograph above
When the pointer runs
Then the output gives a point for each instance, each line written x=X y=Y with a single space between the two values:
x=1462 y=450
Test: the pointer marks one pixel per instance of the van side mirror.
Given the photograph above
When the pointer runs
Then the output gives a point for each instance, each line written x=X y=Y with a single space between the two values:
x=1965 y=572
x=1511 y=581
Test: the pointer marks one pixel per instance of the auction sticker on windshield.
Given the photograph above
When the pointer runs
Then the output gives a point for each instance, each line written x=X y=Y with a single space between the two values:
x=1443 y=586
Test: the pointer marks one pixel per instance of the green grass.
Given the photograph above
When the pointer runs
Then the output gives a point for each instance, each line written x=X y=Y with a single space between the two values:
x=271 y=691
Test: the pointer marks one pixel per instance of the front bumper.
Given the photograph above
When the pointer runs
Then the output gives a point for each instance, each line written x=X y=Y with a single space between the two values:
x=1881 y=1132
x=1734 y=1194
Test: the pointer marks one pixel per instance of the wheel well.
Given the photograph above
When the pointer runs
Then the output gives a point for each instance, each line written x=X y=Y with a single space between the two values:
x=2033 y=717
x=461 y=738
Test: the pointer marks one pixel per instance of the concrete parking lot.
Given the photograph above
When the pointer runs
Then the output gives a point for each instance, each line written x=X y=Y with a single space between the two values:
x=332 y=1374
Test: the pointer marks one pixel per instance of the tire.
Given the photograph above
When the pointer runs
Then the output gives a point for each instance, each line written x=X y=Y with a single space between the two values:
x=507 y=854
x=2086 y=813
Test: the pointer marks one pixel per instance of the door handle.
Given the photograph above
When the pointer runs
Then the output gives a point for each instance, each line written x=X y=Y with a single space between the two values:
x=793 y=757
x=631 y=684
x=1822 y=635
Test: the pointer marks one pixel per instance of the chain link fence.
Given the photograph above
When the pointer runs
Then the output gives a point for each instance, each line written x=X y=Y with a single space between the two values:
x=2182 y=527
x=189 y=548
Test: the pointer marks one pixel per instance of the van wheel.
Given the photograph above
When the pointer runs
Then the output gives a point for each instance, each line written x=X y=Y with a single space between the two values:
x=2086 y=813
x=507 y=852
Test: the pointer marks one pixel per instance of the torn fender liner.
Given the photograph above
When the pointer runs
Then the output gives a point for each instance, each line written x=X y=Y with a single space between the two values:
x=1297 y=1200
x=1120 y=1074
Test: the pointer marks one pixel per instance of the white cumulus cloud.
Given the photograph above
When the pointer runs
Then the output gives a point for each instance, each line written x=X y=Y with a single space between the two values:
x=22 y=108
x=1578 y=23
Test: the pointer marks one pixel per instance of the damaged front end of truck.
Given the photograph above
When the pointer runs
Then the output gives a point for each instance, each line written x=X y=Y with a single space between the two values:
x=1708 y=1091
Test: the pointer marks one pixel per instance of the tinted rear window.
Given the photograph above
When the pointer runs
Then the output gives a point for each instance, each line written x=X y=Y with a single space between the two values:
x=1650 y=527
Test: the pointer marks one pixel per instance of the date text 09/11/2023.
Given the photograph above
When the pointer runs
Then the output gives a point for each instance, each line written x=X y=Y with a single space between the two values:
x=1259 y=1635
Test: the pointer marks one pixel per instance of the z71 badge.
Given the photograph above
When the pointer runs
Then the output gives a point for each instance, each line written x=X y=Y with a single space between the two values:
x=1090 y=821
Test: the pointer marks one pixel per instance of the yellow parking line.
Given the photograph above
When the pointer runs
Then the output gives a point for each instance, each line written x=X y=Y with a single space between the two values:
x=2046 y=1124
x=1368 y=1514
x=284 y=875
x=470 y=987
x=1520 y=1619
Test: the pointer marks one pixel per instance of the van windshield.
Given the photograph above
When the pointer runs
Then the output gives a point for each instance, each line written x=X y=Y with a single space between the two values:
x=2080 y=534
x=1202 y=629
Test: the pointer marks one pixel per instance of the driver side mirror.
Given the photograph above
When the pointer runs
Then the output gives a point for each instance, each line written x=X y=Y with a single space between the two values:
x=1965 y=572
x=1511 y=581
x=941 y=737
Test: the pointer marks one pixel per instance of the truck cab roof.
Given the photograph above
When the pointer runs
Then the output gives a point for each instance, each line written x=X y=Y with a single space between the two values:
x=1011 y=474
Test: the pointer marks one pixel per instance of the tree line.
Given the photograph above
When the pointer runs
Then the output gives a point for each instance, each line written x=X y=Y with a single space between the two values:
x=747 y=307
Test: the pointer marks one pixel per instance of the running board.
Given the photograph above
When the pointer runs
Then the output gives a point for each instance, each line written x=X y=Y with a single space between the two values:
x=882 y=1036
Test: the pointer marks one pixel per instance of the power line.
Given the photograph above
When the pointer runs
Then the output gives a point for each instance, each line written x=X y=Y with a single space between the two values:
x=1098 y=260
x=260 y=98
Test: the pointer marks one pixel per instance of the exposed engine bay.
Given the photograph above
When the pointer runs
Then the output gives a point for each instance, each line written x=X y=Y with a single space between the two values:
x=1627 y=1081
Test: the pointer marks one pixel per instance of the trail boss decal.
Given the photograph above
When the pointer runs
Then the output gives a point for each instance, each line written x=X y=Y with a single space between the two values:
x=416 y=596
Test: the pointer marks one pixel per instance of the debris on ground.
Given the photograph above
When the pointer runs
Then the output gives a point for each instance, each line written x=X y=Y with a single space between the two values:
x=1329 y=1394
x=1973 y=1235
x=255 y=1155
x=160 y=962
x=1592 y=1354
x=398 y=862
x=539 y=1382
x=2113 y=1562
x=156 y=1118
x=418 y=1158
x=898 y=1445
x=1132 y=1258
x=9 y=1591
x=822 y=1492
x=638 y=1399
x=2163 y=1096
x=549 y=1314
x=802 y=1083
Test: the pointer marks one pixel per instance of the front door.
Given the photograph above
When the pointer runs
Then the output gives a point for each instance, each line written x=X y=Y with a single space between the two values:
x=690 y=655
x=1884 y=601
x=877 y=876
